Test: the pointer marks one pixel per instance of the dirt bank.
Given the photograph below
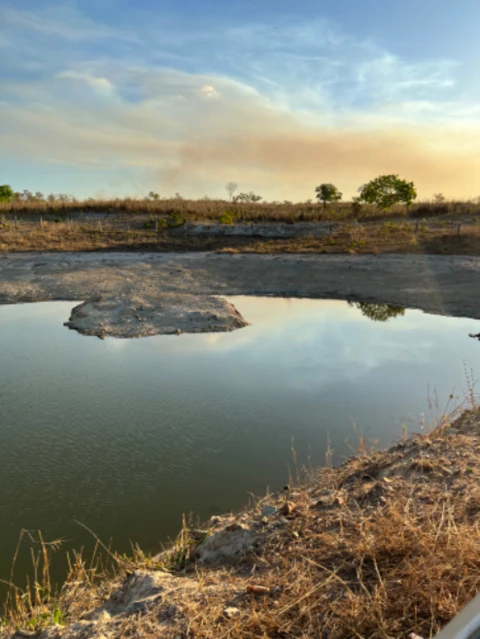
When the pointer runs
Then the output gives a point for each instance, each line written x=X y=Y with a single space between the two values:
x=385 y=545
x=436 y=284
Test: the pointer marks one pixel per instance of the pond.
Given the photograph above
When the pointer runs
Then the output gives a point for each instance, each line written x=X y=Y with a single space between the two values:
x=127 y=435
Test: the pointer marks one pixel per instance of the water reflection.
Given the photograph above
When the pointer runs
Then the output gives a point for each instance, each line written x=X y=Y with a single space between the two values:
x=127 y=435
x=378 y=312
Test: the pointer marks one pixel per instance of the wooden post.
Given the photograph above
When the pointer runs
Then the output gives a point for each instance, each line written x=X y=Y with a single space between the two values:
x=99 y=226
x=458 y=229
x=156 y=226
x=71 y=225
x=416 y=227
x=16 y=222
x=41 y=222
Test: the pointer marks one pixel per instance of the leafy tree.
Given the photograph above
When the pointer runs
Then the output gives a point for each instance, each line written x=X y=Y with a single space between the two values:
x=153 y=196
x=231 y=188
x=250 y=197
x=27 y=195
x=6 y=193
x=387 y=190
x=378 y=312
x=328 y=193
x=439 y=198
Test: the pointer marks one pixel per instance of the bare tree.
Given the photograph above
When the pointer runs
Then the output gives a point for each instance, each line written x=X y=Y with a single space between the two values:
x=231 y=188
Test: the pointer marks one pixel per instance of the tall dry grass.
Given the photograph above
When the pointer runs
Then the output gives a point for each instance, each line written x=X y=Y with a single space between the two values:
x=206 y=209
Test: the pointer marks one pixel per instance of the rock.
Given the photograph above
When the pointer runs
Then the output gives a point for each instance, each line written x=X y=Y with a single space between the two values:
x=287 y=508
x=214 y=521
x=231 y=612
x=140 y=591
x=231 y=543
x=166 y=314
x=268 y=511
x=451 y=431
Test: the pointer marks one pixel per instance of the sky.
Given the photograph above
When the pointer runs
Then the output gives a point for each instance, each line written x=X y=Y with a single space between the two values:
x=109 y=98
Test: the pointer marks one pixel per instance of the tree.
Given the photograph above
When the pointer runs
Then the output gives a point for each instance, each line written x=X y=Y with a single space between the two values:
x=378 y=312
x=387 y=190
x=231 y=188
x=328 y=193
x=250 y=197
x=6 y=193
x=153 y=196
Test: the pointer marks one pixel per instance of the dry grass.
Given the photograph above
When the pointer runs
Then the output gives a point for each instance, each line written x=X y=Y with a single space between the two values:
x=436 y=237
x=385 y=545
x=207 y=209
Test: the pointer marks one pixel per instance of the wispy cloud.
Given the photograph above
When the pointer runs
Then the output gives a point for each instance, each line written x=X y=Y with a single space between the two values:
x=61 y=21
x=97 y=83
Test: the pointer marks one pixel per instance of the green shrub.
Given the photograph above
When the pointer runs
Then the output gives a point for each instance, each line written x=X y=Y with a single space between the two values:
x=226 y=218
x=174 y=220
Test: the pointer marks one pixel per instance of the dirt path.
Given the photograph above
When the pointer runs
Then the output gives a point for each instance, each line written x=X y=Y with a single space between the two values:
x=436 y=284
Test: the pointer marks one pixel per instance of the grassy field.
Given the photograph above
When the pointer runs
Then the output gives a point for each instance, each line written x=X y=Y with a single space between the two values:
x=156 y=225
x=433 y=236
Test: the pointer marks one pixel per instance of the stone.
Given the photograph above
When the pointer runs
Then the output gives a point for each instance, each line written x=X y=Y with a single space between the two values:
x=231 y=543
x=268 y=511
x=231 y=612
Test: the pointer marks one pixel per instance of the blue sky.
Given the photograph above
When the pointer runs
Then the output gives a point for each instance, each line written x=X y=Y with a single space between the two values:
x=113 y=97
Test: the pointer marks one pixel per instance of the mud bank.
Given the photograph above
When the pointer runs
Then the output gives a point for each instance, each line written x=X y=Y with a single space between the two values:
x=436 y=284
x=167 y=314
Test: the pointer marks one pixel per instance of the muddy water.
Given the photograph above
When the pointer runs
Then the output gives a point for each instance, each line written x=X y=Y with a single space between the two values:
x=127 y=435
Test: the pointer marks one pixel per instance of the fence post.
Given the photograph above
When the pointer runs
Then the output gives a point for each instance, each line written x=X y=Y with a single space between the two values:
x=156 y=226
x=458 y=229
x=16 y=222
x=99 y=226
x=416 y=227
x=71 y=224
x=41 y=222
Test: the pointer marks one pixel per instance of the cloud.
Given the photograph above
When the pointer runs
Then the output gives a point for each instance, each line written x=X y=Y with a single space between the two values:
x=194 y=145
x=97 y=83
x=58 y=20
x=282 y=106
x=208 y=91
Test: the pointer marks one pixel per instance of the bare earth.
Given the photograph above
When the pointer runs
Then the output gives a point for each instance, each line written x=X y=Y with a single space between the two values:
x=436 y=284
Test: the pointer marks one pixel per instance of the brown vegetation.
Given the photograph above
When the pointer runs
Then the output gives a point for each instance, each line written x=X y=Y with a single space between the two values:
x=385 y=545
x=207 y=209
x=433 y=236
